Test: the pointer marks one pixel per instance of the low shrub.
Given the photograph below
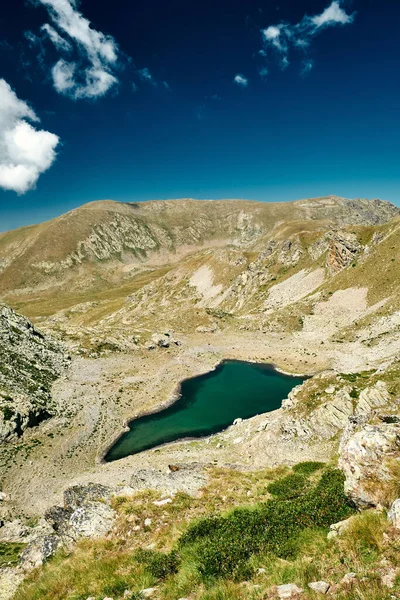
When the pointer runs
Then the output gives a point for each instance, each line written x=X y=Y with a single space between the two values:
x=222 y=546
x=308 y=467
x=158 y=564
x=288 y=487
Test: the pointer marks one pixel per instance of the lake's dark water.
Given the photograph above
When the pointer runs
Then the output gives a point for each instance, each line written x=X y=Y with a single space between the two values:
x=208 y=403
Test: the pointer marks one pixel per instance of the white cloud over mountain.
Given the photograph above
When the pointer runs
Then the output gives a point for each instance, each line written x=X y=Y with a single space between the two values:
x=25 y=152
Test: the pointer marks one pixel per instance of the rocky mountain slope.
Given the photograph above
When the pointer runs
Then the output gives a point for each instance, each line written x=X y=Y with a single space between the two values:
x=110 y=274
x=29 y=364
x=111 y=232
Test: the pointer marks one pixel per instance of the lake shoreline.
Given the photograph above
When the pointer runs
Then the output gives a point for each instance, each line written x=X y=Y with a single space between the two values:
x=176 y=397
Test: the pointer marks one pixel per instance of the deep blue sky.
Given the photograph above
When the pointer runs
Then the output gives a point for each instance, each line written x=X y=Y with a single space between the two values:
x=334 y=131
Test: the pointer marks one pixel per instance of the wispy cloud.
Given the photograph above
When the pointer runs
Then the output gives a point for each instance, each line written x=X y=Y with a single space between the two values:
x=25 y=152
x=88 y=61
x=241 y=80
x=283 y=37
x=306 y=67
x=147 y=77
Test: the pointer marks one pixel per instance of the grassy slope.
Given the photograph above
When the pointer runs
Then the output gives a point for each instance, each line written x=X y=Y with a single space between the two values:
x=109 y=567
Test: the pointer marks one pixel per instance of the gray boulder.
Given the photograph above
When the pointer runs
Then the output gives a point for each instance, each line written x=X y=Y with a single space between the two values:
x=40 y=550
x=365 y=456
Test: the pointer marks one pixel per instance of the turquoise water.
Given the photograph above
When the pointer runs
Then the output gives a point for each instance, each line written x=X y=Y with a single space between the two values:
x=208 y=403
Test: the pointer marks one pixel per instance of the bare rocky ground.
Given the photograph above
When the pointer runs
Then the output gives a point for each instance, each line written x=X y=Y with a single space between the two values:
x=100 y=395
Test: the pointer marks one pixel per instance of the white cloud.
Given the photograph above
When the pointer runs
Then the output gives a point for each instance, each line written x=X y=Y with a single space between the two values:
x=282 y=37
x=63 y=76
x=333 y=14
x=92 y=73
x=241 y=80
x=25 y=152
x=59 y=42
x=263 y=72
x=272 y=32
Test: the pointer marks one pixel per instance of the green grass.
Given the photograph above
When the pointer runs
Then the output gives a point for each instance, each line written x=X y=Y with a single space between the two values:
x=206 y=548
x=308 y=467
x=10 y=553
x=223 y=545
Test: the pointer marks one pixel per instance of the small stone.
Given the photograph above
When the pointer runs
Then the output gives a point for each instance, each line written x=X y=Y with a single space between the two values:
x=330 y=389
x=147 y=522
x=108 y=598
x=339 y=528
x=289 y=590
x=349 y=578
x=218 y=445
x=319 y=586
x=162 y=502
x=394 y=514
x=237 y=421
x=148 y=592
x=261 y=571
x=389 y=578
x=238 y=441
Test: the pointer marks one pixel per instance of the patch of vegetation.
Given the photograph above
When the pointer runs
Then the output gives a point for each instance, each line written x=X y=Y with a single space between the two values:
x=8 y=413
x=104 y=346
x=308 y=467
x=10 y=553
x=218 y=313
x=288 y=487
x=216 y=546
x=158 y=564
x=223 y=546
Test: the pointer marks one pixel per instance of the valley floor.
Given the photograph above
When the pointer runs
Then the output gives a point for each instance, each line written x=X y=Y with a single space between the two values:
x=100 y=395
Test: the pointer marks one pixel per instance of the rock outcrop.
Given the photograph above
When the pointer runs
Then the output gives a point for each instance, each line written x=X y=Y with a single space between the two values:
x=343 y=248
x=29 y=364
x=86 y=513
x=367 y=455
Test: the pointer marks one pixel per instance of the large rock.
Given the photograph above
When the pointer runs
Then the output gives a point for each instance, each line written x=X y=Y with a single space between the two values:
x=10 y=579
x=86 y=513
x=94 y=520
x=343 y=249
x=40 y=550
x=373 y=397
x=29 y=364
x=288 y=590
x=366 y=453
x=79 y=495
x=321 y=587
